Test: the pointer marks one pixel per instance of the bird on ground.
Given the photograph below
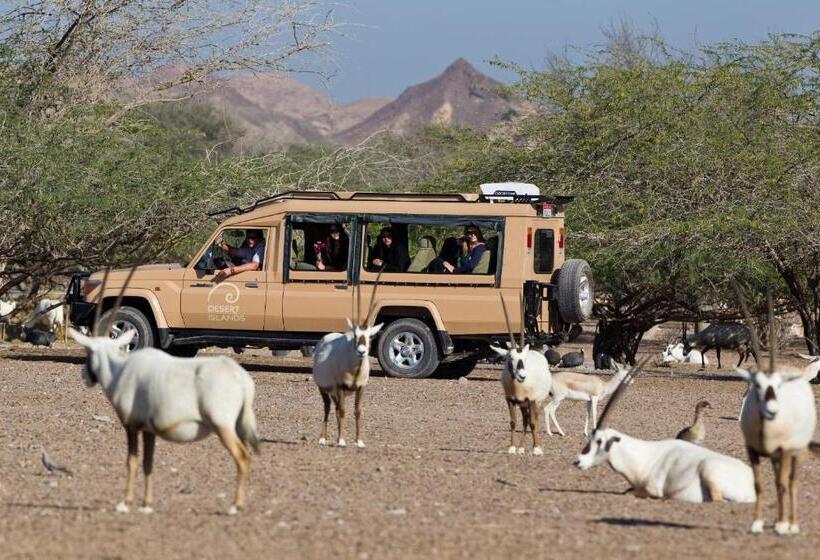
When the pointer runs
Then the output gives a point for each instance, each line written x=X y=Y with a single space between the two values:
x=51 y=465
x=696 y=433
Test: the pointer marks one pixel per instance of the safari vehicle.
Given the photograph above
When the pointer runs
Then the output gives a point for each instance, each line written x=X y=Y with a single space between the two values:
x=306 y=285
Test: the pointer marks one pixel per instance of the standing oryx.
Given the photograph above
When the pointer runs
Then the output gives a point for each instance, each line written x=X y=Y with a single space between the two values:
x=526 y=380
x=178 y=399
x=670 y=468
x=777 y=418
x=341 y=365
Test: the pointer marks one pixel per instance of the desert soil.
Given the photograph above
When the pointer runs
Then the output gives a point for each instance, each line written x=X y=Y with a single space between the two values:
x=435 y=480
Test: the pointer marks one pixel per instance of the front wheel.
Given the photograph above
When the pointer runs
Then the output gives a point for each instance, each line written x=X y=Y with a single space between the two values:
x=407 y=348
x=129 y=318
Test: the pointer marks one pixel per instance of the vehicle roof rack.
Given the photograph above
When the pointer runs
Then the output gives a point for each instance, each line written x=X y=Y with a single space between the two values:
x=328 y=195
x=443 y=197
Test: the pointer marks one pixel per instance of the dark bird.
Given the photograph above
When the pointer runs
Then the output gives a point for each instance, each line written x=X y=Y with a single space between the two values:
x=38 y=338
x=553 y=356
x=572 y=359
x=51 y=465
x=696 y=433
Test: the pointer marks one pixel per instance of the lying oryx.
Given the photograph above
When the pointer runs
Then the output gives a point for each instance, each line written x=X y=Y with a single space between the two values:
x=672 y=469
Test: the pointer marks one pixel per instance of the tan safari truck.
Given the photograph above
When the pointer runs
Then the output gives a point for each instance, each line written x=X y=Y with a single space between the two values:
x=438 y=295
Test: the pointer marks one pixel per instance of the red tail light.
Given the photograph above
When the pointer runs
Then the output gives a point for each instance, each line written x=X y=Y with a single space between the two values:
x=561 y=238
x=529 y=238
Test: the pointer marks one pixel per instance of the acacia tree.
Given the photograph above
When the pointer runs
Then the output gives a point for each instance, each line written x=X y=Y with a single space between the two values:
x=79 y=52
x=689 y=171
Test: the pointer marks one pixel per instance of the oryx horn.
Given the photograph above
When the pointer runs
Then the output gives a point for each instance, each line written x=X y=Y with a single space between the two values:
x=98 y=309
x=370 y=307
x=523 y=317
x=772 y=332
x=619 y=390
x=507 y=319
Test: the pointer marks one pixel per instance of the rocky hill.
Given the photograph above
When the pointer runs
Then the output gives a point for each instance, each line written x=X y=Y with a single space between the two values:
x=460 y=96
x=279 y=110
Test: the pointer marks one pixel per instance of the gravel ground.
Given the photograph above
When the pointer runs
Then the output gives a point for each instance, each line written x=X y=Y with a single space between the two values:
x=434 y=481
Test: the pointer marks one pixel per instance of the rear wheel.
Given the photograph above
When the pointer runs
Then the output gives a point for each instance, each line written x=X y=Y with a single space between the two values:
x=129 y=318
x=407 y=348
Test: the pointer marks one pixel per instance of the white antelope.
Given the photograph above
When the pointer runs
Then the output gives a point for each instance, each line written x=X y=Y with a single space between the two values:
x=341 y=365
x=47 y=315
x=778 y=418
x=667 y=469
x=675 y=354
x=526 y=380
x=178 y=399
x=580 y=387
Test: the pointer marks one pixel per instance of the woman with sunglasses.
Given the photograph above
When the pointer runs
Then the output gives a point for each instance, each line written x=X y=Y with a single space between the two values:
x=475 y=247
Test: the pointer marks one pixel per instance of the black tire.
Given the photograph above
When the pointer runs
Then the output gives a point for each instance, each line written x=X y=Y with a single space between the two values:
x=407 y=348
x=183 y=351
x=131 y=318
x=576 y=291
x=456 y=368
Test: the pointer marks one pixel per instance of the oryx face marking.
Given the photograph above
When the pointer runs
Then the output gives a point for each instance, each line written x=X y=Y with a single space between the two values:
x=597 y=448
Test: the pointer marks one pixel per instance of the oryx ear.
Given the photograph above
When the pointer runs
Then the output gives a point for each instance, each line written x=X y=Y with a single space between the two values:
x=743 y=373
x=525 y=349
x=79 y=338
x=500 y=351
x=349 y=324
x=374 y=329
x=125 y=338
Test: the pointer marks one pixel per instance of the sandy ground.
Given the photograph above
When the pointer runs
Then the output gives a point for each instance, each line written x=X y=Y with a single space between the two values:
x=434 y=482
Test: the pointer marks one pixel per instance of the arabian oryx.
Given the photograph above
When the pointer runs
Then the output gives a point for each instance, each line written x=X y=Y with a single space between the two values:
x=777 y=418
x=671 y=469
x=527 y=381
x=341 y=365
x=178 y=399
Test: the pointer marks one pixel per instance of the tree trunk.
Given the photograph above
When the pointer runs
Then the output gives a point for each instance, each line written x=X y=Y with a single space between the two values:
x=618 y=340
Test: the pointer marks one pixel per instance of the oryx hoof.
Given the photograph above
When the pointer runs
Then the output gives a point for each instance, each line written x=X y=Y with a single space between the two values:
x=341 y=443
x=794 y=529
x=360 y=444
x=233 y=510
x=537 y=451
x=147 y=510
x=521 y=450
x=122 y=507
x=757 y=527
x=322 y=441
x=512 y=450
x=782 y=528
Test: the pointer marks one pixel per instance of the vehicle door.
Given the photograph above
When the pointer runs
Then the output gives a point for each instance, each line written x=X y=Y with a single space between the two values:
x=236 y=303
x=317 y=294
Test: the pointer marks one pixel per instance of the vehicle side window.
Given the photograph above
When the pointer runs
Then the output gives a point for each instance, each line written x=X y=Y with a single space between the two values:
x=431 y=248
x=320 y=247
x=234 y=247
x=544 y=251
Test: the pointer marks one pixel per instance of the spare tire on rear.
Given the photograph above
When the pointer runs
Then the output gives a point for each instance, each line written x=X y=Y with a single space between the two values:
x=576 y=291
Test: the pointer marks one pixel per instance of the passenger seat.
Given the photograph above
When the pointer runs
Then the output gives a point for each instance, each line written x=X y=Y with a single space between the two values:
x=426 y=253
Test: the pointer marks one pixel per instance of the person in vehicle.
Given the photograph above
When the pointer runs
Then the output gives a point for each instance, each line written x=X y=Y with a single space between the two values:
x=449 y=253
x=331 y=254
x=475 y=247
x=251 y=254
x=389 y=255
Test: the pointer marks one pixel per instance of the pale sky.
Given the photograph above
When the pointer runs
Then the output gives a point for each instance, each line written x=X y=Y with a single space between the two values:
x=398 y=43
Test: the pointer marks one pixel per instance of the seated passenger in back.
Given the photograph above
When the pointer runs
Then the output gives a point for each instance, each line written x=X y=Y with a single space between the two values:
x=388 y=255
x=449 y=253
x=331 y=254
x=475 y=248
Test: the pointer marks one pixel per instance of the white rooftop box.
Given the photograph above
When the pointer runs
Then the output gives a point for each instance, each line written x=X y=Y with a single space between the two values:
x=507 y=192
